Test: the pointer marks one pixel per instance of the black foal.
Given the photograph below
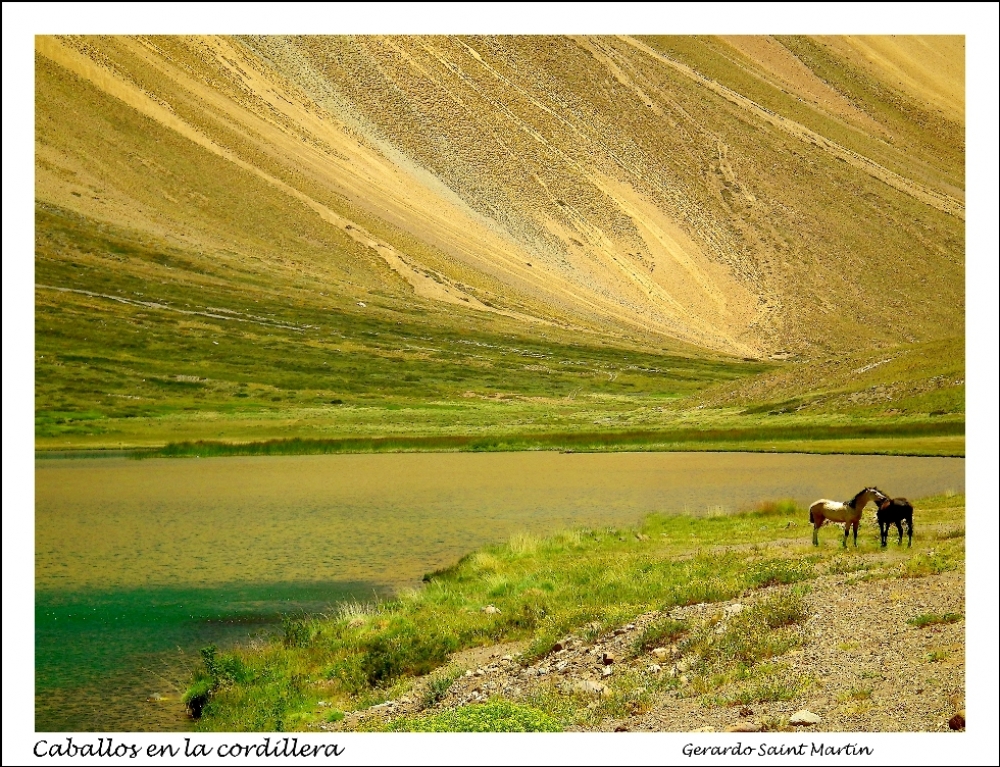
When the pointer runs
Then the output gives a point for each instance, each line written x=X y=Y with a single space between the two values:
x=893 y=511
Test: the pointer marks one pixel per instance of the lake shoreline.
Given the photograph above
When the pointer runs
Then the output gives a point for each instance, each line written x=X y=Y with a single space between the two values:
x=947 y=442
x=135 y=559
x=567 y=656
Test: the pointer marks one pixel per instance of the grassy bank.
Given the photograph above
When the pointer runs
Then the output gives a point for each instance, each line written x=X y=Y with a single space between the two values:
x=941 y=438
x=580 y=583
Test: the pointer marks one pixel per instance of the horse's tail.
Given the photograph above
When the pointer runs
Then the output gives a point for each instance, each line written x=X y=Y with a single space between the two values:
x=811 y=515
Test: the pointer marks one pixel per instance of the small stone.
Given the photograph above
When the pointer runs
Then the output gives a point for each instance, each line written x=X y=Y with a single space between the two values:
x=957 y=722
x=804 y=718
x=621 y=728
x=734 y=609
x=491 y=610
x=507 y=658
x=654 y=668
x=746 y=711
x=478 y=672
x=743 y=727
x=557 y=647
x=469 y=672
x=590 y=687
x=661 y=652
x=607 y=671
x=608 y=658
x=561 y=665
x=683 y=679
x=641 y=537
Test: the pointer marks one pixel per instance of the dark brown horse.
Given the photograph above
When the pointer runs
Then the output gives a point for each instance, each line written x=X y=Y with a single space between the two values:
x=894 y=511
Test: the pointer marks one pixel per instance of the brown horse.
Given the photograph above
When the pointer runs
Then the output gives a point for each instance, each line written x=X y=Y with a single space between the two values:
x=849 y=512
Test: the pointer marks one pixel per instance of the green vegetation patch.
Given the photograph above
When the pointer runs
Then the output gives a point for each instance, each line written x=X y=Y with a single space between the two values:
x=496 y=715
x=933 y=619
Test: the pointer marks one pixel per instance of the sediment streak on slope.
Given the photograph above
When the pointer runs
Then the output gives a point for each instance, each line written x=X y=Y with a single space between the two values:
x=423 y=285
x=919 y=192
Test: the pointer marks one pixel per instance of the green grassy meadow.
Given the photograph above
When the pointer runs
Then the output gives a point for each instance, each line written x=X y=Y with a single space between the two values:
x=131 y=353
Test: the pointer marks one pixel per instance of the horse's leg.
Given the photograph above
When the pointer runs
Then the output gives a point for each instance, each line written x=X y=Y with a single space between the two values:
x=855 y=533
x=899 y=527
x=847 y=531
x=817 y=521
x=883 y=532
x=909 y=530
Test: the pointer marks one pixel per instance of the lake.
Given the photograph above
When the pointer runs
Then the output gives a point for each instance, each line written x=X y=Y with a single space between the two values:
x=139 y=564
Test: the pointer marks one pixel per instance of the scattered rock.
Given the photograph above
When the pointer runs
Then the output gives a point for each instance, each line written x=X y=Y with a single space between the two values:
x=607 y=671
x=661 y=652
x=957 y=722
x=641 y=537
x=590 y=687
x=621 y=728
x=557 y=647
x=491 y=610
x=743 y=727
x=654 y=668
x=734 y=609
x=804 y=718
x=746 y=711
x=608 y=658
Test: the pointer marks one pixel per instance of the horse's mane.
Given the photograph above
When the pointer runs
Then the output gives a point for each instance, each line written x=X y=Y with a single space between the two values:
x=854 y=500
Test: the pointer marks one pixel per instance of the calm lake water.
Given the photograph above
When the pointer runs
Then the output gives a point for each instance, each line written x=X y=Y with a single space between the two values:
x=139 y=564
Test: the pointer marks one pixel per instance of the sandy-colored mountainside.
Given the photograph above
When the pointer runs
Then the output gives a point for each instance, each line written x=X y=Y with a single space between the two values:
x=760 y=197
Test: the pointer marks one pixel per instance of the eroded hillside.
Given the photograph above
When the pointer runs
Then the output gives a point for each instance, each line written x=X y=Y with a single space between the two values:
x=746 y=195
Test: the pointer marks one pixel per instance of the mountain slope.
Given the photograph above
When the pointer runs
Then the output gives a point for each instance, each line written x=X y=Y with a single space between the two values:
x=601 y=182
x=714 y=198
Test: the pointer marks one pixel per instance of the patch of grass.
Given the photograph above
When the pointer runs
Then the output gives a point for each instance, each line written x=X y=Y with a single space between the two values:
x=854 y=694
x=659 y=634
x=438 y=687
x=936 y=656
x=496 y=715
x=775 y=572
x=933 y=619
x=764 y=688
x=731 y=656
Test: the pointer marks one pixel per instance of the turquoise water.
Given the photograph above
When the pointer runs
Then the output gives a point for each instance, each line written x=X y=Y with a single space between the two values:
x=139 y=564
